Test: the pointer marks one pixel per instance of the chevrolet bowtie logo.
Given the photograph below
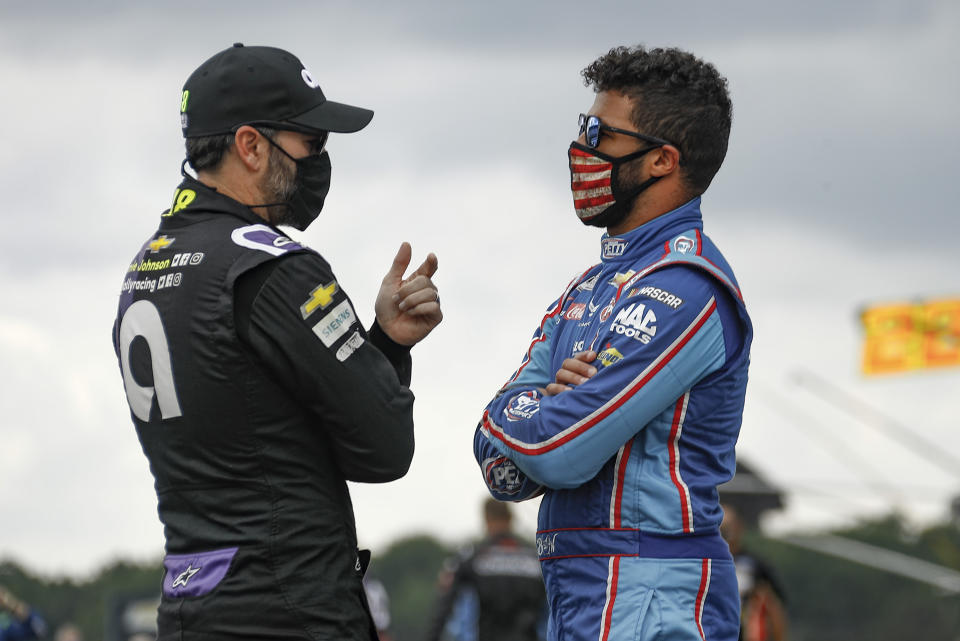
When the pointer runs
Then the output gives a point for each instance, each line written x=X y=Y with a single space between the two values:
x=319 y=297
x=160 y=243
x=620 y=278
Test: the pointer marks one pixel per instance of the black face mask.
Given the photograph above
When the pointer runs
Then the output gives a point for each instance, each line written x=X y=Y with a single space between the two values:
x=600 y=196
x=311 y=186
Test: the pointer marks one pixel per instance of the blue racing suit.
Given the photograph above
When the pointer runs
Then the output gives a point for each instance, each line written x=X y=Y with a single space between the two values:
x=629 y=462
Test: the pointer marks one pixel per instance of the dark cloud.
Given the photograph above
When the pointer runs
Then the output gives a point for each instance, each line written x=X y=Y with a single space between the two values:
x=482 y=24
x=843 y=112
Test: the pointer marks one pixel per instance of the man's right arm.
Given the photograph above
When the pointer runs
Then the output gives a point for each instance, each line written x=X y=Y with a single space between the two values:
x=504 y=480
x=303 y=330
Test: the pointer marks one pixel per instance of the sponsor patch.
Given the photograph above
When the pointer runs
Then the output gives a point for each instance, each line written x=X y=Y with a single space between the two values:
x=349 y=347
x=605 y=314
x=635 y=321
x=157 y=244
x=522 y=407
x=547 y=544
x=320 y=297
x=575 y=311
x=195 y=574
x=587 y=285
x=184 y=577
x=662 y=295
x=683 y=244
x=335 y=324
x=620 y=278
x=501 y=475
x=613 y=247
x=609 y=356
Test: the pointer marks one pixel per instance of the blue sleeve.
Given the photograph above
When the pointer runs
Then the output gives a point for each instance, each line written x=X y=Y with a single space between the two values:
x=653 y=349
x=504 y=480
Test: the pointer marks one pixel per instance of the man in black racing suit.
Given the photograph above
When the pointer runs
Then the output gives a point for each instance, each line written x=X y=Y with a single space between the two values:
x=255 y=391
x=494 y=590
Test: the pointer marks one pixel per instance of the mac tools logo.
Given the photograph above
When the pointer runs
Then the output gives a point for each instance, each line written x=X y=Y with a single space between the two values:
x=635 y=321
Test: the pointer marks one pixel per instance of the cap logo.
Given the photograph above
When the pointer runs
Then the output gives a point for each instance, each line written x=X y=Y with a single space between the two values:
x=307 y=78
x=183 y=100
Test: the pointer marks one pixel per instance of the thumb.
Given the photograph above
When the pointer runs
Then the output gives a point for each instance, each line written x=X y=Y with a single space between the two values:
x=400 y=262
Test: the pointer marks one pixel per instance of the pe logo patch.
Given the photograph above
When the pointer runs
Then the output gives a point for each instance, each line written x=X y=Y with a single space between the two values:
x=502 y=476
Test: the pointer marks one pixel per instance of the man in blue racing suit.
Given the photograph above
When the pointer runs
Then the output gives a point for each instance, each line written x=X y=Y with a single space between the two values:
x=625 y=410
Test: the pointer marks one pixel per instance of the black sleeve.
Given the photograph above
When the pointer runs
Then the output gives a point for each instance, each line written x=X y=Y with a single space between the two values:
x=302 y=328
x=448 y=596
x=397 y=354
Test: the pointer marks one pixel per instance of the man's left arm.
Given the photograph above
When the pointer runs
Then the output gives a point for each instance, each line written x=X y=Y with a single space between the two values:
x=651 y=353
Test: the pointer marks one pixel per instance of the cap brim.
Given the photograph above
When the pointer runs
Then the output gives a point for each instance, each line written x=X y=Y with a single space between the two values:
x=334 y=116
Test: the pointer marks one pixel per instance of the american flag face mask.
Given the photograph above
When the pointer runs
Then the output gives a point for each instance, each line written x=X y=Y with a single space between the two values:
x=599 y=198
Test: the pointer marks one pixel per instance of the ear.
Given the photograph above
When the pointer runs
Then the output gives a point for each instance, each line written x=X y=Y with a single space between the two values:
x=251 y=149
x=664 y=161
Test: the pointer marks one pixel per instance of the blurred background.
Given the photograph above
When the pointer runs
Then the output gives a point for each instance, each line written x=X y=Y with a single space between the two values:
x=834 y=206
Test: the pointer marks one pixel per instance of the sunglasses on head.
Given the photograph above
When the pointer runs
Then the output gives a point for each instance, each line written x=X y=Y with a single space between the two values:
x=591 y=126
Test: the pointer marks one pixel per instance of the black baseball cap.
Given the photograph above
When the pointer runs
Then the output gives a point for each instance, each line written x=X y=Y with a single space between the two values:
x=260 y=85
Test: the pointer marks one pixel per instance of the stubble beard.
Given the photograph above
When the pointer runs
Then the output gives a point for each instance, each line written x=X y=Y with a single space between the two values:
x=278 y=186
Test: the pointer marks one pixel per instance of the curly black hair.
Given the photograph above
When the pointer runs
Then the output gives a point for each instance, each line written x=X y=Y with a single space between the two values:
x=677 y=97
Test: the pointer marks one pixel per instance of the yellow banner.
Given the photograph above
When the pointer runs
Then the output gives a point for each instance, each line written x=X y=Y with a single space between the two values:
x=911 y=336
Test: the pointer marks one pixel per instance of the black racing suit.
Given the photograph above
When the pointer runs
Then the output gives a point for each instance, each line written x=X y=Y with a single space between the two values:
x=495 y=593
x=256 y=394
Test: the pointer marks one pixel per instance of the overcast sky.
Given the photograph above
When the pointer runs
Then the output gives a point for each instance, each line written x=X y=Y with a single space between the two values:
x=838 y=190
